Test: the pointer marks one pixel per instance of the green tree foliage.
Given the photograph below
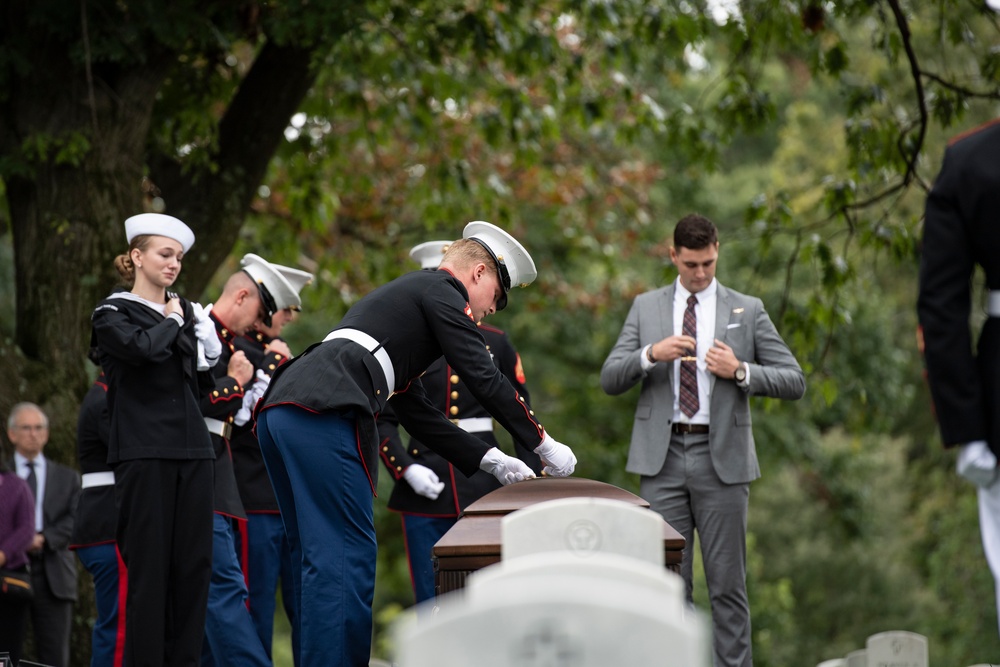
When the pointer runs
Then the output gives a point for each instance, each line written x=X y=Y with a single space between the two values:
x=335 y=135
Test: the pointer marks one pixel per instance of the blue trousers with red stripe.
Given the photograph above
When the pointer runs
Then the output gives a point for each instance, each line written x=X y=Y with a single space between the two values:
x=230 y=635
x=325 y=498
x=107 y=642
x=262 y=543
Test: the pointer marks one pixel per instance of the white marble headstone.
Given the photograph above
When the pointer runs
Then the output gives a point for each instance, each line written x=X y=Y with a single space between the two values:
x=583 y=526
x=897 y=648
x=570 y=621
x=857 y=658
x=532 y=573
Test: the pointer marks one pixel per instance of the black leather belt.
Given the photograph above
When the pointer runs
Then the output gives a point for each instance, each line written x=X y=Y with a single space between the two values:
x=689 y=428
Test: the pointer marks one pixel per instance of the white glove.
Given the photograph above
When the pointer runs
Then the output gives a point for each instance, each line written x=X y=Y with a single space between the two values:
x=209 y=345
x=423 y=480
x=977 y=463
x=505 y=468
x=251 y=397
x=559 y=459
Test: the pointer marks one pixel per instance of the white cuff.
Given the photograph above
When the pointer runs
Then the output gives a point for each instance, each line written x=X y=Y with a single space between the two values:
x=644 y=361
x=746 y=381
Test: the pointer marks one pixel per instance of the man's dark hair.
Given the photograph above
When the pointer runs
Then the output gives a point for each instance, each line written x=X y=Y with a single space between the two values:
x=695 y=232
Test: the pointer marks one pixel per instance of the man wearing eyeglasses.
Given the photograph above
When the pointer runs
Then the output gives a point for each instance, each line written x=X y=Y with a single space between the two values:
x=53 y=570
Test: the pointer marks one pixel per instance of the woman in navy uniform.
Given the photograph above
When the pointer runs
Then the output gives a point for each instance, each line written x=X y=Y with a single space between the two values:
x=429 y=493
x=93 y=537
x=158 y=445
x=317 y=426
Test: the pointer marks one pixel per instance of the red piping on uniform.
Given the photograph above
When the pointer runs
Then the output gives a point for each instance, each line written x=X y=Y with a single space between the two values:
x=454 y=489
x=74 y=547
x=361 y=455
x=122 y=597
x=974 y=130
x=388 y=463
x=406 y=545
x=235 y=392
x=243 y=527
x=447 y=389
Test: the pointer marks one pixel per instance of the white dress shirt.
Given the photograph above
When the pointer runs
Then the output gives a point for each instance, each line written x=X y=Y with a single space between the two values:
x=704 y=312
x=21 y=465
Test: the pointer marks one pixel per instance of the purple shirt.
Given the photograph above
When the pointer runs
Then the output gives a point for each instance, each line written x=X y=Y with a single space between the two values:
x=17 y=520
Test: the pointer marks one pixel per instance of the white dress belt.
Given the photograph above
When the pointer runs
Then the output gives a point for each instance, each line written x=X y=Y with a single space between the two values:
x=90 y=479
x=373 y=346
x=993 y=305
x=474 y=424
x=219 y=427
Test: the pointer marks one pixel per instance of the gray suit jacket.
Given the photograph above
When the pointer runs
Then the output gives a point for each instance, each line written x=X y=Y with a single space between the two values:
x=742 y=323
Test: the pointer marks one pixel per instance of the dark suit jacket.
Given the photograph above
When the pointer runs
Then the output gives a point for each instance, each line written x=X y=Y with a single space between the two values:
x=62 y=489
x=961 y=230
x=742 y=323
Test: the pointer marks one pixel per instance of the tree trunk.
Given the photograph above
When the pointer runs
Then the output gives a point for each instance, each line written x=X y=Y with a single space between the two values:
x=81 y=154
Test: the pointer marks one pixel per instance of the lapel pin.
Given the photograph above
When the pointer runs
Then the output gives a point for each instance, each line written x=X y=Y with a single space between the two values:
x=737 y=310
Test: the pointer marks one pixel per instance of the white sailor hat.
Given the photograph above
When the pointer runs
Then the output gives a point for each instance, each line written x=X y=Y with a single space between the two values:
x=158 y=224
x=428 y=255
x=278 y=285
x=514 y=265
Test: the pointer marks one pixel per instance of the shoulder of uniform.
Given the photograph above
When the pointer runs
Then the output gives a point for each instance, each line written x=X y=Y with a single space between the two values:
x=974 y=131
x=105 y=305
x=491 y=329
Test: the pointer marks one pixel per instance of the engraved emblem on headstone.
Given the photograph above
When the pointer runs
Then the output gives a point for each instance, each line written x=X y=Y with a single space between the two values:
x=583 y=536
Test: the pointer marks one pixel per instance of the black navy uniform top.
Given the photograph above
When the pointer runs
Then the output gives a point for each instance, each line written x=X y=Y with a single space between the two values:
x=222 y=403
x=448 y=392
x=153 y=381
x=416 y=319
x=95 y=511
x=251 y=473
x=962 y=229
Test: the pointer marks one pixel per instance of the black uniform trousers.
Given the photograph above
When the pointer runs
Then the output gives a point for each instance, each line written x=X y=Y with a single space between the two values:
x=165 y=537
x=51 y=618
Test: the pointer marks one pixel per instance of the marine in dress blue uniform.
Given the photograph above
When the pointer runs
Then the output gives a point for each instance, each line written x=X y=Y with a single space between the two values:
x=257 y=292
x=429 y=510
x=317 y=426
x=94 y=529
x=260 y=541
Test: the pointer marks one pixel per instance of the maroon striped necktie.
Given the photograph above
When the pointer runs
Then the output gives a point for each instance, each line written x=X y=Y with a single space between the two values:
x=689 y=369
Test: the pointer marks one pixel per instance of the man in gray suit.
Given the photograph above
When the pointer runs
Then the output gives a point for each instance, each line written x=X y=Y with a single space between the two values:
x=53 y=568
x=701 y=350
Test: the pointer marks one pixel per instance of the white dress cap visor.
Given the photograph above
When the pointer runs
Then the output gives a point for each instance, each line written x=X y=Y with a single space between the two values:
x=276 y=292
x=514 y=264
x=158 y=224
x=429 y=255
